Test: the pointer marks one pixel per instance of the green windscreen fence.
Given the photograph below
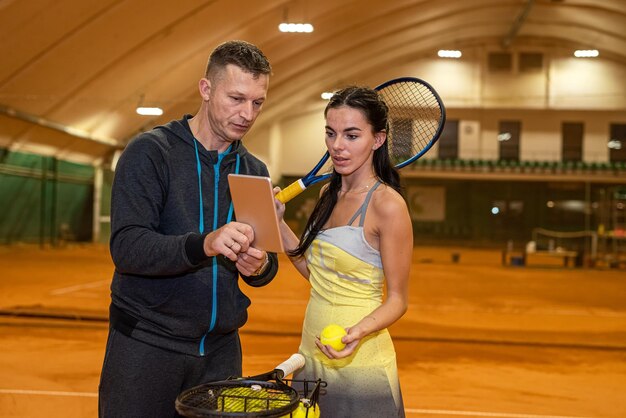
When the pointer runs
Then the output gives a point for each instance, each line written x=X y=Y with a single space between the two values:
x=105 y=207
x=50 y=201
x=493 y=212
x=44 y=200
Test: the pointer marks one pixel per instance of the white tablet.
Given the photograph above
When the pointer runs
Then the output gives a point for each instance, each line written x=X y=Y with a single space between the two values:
x=253 y=202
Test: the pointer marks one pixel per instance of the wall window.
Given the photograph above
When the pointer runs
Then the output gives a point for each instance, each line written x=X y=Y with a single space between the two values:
x=449 y=140
x=508 y=138
x=500 y=62
x=617 y=143
x=572 y=141
x=530 y=61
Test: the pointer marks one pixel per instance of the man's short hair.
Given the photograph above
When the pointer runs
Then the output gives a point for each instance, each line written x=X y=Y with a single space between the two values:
x=243 y=54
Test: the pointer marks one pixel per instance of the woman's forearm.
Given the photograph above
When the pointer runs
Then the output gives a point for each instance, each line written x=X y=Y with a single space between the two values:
x=290 y=242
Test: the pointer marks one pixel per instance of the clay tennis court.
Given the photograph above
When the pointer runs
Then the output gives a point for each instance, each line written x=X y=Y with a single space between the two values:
x=479 y=339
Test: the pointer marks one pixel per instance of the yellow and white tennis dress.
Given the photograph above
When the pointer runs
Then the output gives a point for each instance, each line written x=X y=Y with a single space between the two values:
x=347 y=280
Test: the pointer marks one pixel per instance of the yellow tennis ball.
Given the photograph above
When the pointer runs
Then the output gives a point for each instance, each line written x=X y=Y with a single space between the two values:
x=331 y=335
x=250 y=399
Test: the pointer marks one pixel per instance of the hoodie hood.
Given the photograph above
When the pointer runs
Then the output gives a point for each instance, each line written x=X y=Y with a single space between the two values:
x=181 y=129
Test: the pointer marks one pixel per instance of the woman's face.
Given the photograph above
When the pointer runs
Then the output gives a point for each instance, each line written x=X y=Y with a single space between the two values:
x=350 y=140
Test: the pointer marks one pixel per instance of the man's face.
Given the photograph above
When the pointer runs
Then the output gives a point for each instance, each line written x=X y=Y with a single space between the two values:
x=235 y=101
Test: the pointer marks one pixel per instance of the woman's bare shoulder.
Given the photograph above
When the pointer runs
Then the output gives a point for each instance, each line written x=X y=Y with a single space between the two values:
x=388 y=202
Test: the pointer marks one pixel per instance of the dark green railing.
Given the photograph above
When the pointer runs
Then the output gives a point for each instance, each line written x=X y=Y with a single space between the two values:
x=526 y=167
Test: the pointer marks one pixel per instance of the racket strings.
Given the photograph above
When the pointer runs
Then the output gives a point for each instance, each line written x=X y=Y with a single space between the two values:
x=415 y=116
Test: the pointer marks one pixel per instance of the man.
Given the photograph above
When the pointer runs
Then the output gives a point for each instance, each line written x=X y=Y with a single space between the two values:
x=176 y=305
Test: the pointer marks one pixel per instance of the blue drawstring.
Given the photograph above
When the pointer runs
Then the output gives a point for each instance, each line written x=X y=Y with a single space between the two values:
x=199 y=169
x=216 y=182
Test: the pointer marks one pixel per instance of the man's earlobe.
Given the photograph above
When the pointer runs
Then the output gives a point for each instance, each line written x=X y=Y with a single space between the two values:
x=205 y=89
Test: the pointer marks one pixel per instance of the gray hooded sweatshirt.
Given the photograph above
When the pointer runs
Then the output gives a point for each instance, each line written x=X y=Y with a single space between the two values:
x=168 y=193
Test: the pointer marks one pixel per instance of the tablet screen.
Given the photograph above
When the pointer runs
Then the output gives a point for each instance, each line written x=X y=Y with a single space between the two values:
x=253 y=202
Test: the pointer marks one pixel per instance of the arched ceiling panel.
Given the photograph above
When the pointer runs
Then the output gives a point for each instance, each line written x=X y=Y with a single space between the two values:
x=87 y=65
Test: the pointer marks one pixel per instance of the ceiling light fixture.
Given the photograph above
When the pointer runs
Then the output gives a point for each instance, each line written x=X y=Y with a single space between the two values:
x=296 y=27
x=149 y=111
x=586 y=53
x=290 y=27
x=327 y=95
x=449 y=53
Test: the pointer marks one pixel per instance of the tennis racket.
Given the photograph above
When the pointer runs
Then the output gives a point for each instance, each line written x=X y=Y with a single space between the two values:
x=416 y=118
x=265 y=395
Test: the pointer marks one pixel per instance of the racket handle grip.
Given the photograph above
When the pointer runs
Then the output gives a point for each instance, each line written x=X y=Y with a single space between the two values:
x=291 y=191
x=287 y=367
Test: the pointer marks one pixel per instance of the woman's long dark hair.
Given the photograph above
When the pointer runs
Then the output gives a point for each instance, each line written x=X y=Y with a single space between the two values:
x=375 y=110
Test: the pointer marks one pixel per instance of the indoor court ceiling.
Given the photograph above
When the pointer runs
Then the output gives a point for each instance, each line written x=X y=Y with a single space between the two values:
x=73 y=71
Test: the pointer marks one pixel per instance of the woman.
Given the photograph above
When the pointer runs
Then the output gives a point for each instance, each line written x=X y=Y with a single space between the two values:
x=358 y=237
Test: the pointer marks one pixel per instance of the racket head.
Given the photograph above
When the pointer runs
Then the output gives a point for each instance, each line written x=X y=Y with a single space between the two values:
x=238 y=398
x=416 y=118
x=415 y=121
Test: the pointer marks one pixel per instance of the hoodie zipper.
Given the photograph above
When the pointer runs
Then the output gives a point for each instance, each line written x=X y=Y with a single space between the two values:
x=216 y=182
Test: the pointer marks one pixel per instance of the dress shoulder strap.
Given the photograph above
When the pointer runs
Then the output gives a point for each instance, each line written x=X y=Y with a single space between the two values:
x=361 y=211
